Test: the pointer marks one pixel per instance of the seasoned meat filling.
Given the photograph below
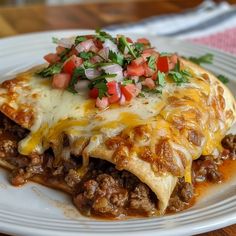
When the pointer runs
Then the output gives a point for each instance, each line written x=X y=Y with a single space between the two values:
x=108 y=192
x=105 y=191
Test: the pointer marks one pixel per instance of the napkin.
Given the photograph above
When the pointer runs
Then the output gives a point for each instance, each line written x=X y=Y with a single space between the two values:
x=212 y=24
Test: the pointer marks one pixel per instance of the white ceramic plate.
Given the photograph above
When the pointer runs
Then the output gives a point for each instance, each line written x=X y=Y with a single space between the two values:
x=37 y=210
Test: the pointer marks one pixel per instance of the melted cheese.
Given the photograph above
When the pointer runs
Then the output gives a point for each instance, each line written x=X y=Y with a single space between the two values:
x=58 y=112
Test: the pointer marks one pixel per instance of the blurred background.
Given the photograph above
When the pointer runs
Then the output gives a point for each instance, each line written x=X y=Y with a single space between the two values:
x=210 y=22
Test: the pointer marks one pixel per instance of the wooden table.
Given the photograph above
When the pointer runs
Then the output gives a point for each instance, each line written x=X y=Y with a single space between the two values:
x=34 y=18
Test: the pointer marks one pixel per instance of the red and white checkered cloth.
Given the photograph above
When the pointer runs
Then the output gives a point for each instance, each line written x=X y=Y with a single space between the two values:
x=225 y=40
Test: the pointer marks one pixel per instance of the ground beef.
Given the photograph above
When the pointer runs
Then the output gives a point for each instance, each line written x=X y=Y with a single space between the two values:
x=206 y=169
x=104 y=191
x=110 y=193
x=229 y=143
x=181 y=197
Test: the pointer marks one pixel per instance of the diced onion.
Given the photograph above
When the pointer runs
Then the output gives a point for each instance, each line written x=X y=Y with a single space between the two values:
x=85 y=46
x=81 y=85
x=92 y=73
x=104 y=53
x=114 y=69
x=66 y=42
x=109 y=44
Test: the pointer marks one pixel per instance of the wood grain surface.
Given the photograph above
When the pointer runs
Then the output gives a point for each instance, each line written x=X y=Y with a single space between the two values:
x=34 y=18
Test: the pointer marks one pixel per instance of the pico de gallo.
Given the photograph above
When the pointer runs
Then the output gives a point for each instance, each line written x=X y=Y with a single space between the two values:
x=112 y=69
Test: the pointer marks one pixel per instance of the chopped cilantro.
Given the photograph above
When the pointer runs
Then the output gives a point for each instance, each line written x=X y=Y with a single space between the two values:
x=116 y=57
x=162 y=54
x=161 y=78
x=123 y=44
x=50 y=70
x=179 y=76
x=223 y=79
x=102 y=88
x=138 y=48
x=78 y=72
x=152 y=62
x=155 y=90
x=64 y=55
x=80 y=39
x=88 y=64
x=55 y=40
x=102 y=36
x=86 y=55
x=207 y=59
x=127 y=81
x=141 y=95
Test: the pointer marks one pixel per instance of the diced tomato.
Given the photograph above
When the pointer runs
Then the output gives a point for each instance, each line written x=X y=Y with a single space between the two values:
x=129 y=91
x=71 y=64
x=172 y=60
x=163 y=64
x=52 y=58
x=135 y=70
x=138 y=61
x=143 y=41
x=149 y=83
x=154 y=76
x=129 y=40
x=59 y=50
x=61 y=81
x=112 y=87
x=148 y=72
x=93 y=93
x=113 y=90
x=102 y=103
x=149 y=50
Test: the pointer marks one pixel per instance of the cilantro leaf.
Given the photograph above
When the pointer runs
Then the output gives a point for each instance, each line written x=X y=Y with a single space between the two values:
x=123 y=44
x=207 y=59
x=138 y=47
x=64 y=55
x=86 y=55
x=127 y=81
x=179 y=76
x=78 y=72
x=116 y=57
x=50 y=70
x=154 y=91
x=102 y=88
x=152 y=62
x=102 y=36
x=55 y=40
x=88 y=64
x=223 y=79
x=161 y=78
x=80 y=39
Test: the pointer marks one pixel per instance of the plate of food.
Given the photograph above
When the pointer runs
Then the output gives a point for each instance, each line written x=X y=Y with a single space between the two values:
x=112 y=134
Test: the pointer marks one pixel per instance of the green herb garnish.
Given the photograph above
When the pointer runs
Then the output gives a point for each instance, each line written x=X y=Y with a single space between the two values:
x=152 y=62
x=80 y=39
x=161 y=78
x=123 y=43
x=50 y=70
x=223 y=79
x=179 y=76
x=207 y=59
x=127 y=81
x=55 y=40
x=86 y=55
x=102 y=36
x=116 y=58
